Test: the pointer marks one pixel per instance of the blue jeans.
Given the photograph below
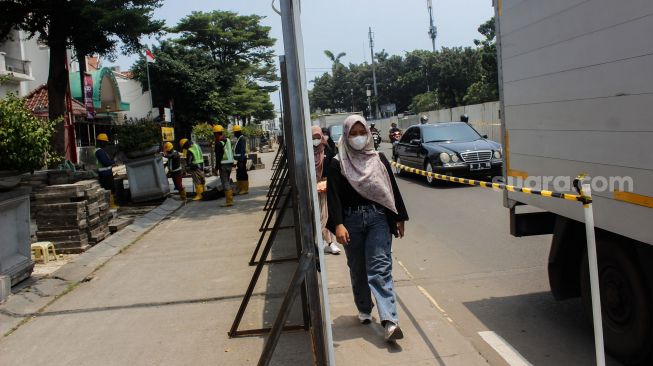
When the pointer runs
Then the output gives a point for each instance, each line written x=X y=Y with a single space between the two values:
x=370 y=261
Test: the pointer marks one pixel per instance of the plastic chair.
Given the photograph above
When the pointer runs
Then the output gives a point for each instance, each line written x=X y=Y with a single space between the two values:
x=42 y=249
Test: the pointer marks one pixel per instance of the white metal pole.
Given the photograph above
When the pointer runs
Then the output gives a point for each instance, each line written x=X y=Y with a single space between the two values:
x=594 y=276
x=149 y=86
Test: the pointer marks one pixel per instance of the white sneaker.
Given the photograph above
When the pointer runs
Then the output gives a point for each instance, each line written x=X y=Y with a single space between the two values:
x=392 y=331
x=332 y=249
x=365 y=318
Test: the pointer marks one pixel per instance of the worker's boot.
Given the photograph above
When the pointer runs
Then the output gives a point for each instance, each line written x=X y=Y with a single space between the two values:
x=243 y=187
x=182 y=195
x=199 y=189
x=112 y=201
x=229 y=196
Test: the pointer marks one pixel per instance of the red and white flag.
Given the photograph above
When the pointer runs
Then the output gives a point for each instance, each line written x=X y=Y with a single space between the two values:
x=149 y=56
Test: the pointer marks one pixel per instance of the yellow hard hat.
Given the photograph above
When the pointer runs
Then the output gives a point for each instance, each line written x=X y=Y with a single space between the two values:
x=182 y=142
x=218 y=128
x=103 y=137
x=237 y=128
x=167 y=147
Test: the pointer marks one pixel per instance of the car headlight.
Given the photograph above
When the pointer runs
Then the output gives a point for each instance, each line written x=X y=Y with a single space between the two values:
x=454 y=158
x=445 y=158
x=497 y=154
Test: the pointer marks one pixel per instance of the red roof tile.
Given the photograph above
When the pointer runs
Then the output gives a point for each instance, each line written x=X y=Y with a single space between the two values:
x=37 y=102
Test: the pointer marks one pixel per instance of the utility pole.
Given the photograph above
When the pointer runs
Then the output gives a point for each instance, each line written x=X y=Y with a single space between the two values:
x=376 y=92
x=368 y=92
x=433 y=30
x=352 y=100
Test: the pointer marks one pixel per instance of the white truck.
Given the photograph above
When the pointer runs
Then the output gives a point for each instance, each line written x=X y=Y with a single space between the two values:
x=576 y=87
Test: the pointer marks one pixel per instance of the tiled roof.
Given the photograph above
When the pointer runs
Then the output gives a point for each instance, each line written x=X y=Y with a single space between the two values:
x=37 y=102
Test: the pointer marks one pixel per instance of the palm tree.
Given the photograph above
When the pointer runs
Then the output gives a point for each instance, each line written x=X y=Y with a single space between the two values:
x=334 y=59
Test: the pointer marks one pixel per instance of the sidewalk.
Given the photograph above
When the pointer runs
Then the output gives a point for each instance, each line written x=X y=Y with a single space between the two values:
x=170 y=298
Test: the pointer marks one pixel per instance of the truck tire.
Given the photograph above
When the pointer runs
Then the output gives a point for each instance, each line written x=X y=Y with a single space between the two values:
x=627 y=309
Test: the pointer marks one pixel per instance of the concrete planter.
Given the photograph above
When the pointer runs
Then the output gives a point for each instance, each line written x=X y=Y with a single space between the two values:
x=15 y=252
x=147 y=178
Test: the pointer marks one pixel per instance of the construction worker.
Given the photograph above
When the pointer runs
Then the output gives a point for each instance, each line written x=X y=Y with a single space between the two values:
x=240 y=155
x=224 y=162
x=175 y=170
x=195 y=161
x=104 y=166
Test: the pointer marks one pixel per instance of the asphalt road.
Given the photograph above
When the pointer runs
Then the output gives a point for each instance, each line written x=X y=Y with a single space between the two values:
x=459 y=249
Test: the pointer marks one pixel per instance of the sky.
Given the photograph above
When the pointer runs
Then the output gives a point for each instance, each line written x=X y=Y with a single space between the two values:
x=342 y=25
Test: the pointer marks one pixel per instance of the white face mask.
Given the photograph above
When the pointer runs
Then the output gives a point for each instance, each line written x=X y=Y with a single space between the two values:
x=317 y=142
x=358 y=142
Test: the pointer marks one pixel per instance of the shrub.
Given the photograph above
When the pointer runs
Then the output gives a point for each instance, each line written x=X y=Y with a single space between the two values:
x=137 y=136
x=24 y=138
x=203 y=132
x=252 y=131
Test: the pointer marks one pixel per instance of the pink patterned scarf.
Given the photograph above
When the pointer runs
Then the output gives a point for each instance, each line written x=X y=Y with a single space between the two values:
x=364 y=169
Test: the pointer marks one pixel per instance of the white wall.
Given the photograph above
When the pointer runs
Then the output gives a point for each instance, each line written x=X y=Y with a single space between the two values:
x=483 y=117
x=131 y=92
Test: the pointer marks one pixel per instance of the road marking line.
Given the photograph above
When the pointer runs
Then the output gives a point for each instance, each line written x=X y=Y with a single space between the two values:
x=504 y=349
x=435 y=303
x=410 y=276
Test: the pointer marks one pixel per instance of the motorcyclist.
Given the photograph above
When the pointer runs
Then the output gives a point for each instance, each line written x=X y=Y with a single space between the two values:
x=393 y=129
x=373 y=128
x=423 y=119
x=464 y=118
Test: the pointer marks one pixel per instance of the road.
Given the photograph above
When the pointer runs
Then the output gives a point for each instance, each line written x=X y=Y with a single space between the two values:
x=459 y=249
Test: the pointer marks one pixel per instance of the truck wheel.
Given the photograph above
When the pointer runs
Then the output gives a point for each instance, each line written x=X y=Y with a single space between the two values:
x=625 y=302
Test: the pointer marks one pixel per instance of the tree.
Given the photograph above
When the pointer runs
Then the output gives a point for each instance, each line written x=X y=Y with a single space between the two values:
x=487 y=88
x=425 y=102
x=219 y=68
x=335 y=60
x=238 y=45
x=98 y=26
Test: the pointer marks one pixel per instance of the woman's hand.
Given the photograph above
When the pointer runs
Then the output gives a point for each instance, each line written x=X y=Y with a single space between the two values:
x=342 y=235
x=322 y=186
x=400 y=229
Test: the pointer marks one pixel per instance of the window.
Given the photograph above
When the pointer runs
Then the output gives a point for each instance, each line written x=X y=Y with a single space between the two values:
x=450 y=132
x=406 y=136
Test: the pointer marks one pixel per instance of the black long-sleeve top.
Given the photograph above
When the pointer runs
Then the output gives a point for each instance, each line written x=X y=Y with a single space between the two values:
x=328 y=156
x=341 y=195
x=218 y=147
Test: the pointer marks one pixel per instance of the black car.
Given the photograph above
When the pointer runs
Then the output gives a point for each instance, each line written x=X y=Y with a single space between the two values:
x=449 y=148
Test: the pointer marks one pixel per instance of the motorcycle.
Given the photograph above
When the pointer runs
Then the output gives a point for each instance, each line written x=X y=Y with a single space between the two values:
x=377 y=140
x=395 y=136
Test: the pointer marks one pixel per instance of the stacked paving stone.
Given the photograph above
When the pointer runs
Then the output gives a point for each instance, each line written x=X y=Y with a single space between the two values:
x=72 y=216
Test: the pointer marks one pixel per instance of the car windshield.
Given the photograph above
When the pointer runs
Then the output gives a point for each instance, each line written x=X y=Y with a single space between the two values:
x=335 y=132
x=454 y=132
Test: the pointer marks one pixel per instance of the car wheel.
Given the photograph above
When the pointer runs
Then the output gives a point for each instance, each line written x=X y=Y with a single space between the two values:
x=398 y=172
x=430 y=180
x=626 y=304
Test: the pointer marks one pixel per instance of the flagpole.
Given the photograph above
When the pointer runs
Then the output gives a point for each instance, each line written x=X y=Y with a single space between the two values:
x=149 y=86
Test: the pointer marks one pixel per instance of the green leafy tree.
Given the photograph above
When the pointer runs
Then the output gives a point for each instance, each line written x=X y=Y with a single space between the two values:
x=100 y=26
x=238 y=44
x=487 y=88
x=24 y=139
x=424 y=102
x=335 y=59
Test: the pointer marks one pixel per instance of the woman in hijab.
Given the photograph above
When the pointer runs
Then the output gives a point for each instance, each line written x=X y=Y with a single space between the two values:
x=365 y=211
x=323 y=156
